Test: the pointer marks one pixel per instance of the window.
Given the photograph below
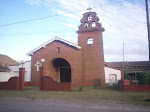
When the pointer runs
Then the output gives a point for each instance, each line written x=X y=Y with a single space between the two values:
x=93 y=24
x=57 y=50
x=90 y=41
x=85 y=25
x=89 y=17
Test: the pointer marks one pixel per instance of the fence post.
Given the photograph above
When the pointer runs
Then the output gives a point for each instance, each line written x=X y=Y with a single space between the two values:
x=42 y=73
x=21 y=78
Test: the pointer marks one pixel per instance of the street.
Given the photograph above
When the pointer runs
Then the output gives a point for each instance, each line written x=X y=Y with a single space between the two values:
x=59 y=106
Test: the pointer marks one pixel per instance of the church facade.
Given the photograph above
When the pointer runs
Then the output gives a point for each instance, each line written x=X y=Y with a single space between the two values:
x=67 y=62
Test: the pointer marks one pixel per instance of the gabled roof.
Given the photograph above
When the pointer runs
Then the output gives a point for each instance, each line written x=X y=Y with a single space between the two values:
x=7 y=60
x=52 y=40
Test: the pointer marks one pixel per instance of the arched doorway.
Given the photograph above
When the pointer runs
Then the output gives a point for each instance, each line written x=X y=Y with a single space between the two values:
x=63 y=68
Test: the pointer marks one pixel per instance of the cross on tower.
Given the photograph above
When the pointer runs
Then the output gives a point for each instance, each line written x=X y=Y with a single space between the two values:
x=89 y=8
x=38 y=64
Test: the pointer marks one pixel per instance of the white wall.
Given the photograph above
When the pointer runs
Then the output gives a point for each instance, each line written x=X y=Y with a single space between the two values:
x=27 y=66
x=111 y=71
x=5 y=76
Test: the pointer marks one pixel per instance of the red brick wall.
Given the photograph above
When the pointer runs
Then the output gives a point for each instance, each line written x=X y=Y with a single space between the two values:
x=50 y=85
x=93 y=57
x=86 y=64
x=71 y=55
x=27 y=83
x=21 y=78
x=140 y=88
x=12 y=84
x=125 y=86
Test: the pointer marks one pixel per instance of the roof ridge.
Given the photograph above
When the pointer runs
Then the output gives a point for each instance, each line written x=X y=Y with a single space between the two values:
x=51 y=40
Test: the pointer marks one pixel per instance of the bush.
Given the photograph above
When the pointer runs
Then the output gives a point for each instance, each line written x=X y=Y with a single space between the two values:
x=126 y=76
x=144 y=78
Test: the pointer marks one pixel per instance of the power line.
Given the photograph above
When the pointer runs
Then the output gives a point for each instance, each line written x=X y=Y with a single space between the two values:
x=60 y=31
x=56 y=15
x=110 y=3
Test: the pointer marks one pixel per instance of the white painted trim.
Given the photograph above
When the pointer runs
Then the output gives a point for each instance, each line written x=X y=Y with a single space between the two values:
x=50 y=41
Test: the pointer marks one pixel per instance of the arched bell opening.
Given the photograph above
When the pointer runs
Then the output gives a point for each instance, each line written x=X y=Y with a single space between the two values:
x=63 y=69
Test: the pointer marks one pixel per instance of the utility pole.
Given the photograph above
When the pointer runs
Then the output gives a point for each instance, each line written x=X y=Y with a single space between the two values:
x=123 y=61
x=148 y=25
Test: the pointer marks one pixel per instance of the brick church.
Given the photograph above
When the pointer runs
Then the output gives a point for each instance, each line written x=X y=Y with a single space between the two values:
x=67 y=62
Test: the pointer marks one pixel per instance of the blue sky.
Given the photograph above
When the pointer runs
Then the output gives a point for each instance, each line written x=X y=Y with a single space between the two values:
x=124 y=22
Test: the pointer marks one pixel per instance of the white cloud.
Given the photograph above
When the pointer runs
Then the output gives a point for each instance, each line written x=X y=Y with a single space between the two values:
x=69 y=15
x=71 y=26
x=124 y=22
x=34 y=2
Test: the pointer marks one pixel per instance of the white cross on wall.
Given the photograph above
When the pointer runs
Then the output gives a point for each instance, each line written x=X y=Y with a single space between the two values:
x=38 y=64
x=89 y=8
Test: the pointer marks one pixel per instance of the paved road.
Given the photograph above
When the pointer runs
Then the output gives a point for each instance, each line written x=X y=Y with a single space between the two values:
x=49 y=106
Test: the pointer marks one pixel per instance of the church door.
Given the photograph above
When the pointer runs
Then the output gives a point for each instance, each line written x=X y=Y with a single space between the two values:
x=63 y=69
x=65 y=74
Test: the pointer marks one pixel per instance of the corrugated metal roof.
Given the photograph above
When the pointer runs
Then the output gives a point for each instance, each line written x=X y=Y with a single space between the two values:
x=131 y=66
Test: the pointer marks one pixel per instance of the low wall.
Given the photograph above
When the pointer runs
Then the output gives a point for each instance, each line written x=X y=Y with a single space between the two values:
x=140 y=88
x=31 y=84
x=34 y=84
x=83 y=84
x=5 y=76
x=124 y=85
x=50 y=85
x=12 y=84
x=27 y=83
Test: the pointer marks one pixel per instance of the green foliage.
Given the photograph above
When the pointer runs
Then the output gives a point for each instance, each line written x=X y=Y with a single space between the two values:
x=144 y=78
x=126 y=76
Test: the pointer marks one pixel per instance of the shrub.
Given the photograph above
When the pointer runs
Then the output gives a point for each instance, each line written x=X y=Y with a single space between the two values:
x=144 y=78
x=126 y=76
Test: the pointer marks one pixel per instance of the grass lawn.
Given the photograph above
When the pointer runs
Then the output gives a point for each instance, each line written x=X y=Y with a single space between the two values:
x=88 y=94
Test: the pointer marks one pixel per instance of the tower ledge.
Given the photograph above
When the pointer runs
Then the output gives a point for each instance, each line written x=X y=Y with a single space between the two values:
x=89 y=23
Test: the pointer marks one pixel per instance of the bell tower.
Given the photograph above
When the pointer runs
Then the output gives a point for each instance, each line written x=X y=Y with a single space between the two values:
x=91 y=41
